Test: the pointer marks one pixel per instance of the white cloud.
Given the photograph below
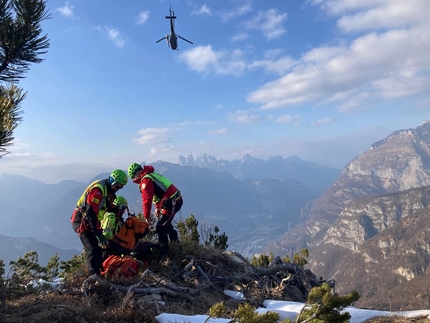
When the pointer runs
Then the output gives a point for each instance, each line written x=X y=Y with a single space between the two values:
x=270 y=22
x=395 y=86
x=239 y=36
x=204 y=59
x=243 y=116
x=325 y=72
x=66 y=11
x=218 y=131
x=359 y=15
x=239 y=11
x=48 y=167
x=355 y=103
x=380 y=64
x=142 y=17
x=113 y=34
x=150 y=136
x=203 y=10
x=273 y=53
x=295 y=120
x=337 y=7
x=322 y=121
x=279 y=66
x=196 y=122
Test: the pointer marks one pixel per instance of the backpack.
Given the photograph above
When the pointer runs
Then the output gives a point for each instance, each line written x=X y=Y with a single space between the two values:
x=133 y=229
x=121 y=266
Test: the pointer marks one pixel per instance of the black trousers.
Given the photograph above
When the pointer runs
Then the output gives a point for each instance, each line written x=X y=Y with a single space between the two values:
x=165 y=229
x=93 y=252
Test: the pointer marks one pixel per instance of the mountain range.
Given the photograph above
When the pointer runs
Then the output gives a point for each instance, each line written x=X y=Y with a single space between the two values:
x=250 y=211
x=314 y=177
x=11 y=248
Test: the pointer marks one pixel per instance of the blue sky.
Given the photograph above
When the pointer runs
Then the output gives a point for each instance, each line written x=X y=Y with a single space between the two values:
x=319 y=79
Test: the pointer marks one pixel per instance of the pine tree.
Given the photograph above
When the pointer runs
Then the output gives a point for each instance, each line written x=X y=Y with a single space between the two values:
x=326 y=307
x=262 y=260
x=218 y=241
x=76 y=263
x=53 y=267
x=27 y=267
x=188 y=229
x=21 y=43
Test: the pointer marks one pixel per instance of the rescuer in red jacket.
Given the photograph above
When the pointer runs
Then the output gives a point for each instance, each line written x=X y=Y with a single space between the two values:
x=96 y=200
x=157 y=189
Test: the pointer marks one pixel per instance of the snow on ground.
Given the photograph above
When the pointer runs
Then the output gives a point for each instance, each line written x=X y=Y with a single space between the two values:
x=287 y=309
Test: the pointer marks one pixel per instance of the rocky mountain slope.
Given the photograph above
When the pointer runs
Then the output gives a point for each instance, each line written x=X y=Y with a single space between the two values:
x=353 y=211
x=391 y=270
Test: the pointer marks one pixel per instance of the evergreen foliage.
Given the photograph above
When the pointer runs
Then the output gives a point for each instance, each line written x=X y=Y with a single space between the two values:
x=218 y=241
x=11 y=97
x=188 y=229
x=211 y=238
x=26 y=270
x=75 y=264
x=262 y=260
x=217 y=310
x=21 y=43
x=246 y=313
x=300 y=258
x=326 y=307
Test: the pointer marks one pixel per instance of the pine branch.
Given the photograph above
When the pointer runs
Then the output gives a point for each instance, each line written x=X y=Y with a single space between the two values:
x=11 y=98
x=21 y=42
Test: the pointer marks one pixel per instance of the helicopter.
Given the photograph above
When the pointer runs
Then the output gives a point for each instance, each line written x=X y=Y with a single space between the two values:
x=172 y=39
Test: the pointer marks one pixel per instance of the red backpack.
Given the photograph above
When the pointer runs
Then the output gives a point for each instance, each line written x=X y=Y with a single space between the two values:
x=122 y=266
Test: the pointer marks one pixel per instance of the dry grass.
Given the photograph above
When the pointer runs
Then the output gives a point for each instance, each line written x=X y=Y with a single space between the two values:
x=105 y=304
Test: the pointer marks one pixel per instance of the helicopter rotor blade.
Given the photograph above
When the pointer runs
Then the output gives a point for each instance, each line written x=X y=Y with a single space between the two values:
x=161 y=39
x=184 y=39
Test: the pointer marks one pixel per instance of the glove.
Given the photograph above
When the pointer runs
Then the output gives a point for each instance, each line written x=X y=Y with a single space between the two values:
x=148 y=221
x=157 y=212
x=103 y=243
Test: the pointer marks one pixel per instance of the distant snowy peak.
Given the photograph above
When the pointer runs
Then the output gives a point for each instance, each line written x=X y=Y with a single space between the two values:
x=186 y=161
x=313 y=176
x=211 y=162
x=203 y=161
